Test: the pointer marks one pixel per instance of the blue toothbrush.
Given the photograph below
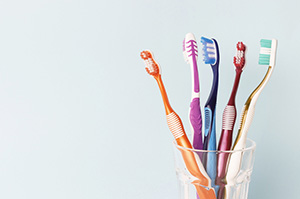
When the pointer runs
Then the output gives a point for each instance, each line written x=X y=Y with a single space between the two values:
x=211 y=56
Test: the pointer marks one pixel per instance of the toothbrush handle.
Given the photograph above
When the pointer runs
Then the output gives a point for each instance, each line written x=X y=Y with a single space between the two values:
x=196 y=123
x=228 y=121
x=210 y=159
x=245 y=123
x=194 y=167
x=234 y=163
x=190 y=159
x=224 y=145
x=235 y=160
x=176 y=127
x=233 y=168
x=211 y=156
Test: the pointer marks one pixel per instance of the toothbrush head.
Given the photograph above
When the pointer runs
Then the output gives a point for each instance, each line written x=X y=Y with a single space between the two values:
x=267 y=54
x=209 y=49
x=190 y=48
x=184 y=52
x=239 y=59
x=152 y=66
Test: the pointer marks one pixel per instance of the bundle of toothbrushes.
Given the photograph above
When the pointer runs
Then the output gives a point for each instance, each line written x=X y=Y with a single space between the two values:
x=212 y=168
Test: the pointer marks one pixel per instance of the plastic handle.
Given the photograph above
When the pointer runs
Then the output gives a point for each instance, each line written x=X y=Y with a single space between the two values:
x=244 y=128
x=192 y=162
x=234 y=164
x=212 y=156
x=196 y=123
x=224 y=145
x=228 y=121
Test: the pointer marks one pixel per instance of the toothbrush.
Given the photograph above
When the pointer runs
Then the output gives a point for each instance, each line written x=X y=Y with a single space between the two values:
x=229 y=117
x=267 y=56
x=190 y=53
x=212 y=57
x=193 y=165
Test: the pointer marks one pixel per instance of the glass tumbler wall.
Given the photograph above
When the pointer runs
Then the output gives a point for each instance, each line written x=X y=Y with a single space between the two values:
x=225 y=188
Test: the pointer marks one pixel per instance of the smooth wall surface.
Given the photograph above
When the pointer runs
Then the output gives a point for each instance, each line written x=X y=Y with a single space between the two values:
x=80 y=117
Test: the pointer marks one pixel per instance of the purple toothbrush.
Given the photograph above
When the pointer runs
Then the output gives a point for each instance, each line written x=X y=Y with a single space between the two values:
x=190 y=53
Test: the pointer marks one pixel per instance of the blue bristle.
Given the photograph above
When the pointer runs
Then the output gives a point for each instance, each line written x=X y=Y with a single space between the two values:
x=206 y=40
x=209 y=52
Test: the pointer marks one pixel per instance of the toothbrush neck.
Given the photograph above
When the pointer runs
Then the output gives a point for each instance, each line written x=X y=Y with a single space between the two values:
x=163 y=92
x=254 y=95
x=235 y=87
x=195 y=75
x=211 y=102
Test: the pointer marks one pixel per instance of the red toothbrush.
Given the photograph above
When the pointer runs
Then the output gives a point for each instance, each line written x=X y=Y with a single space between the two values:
x=229 y=117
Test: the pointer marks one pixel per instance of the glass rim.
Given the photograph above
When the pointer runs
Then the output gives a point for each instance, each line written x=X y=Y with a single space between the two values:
x=249 y=148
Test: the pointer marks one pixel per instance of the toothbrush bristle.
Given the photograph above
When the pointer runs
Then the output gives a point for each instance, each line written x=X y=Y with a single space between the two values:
x=184 y=52
x=190 y=48
x=152 y=66
x=239 y=59
x=265 y=52
x=209 y=50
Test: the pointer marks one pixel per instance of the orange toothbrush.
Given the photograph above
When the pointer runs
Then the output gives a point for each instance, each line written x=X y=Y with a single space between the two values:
x=175 y=125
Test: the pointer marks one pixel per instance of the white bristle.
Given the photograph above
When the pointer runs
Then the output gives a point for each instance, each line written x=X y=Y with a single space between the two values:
x=211 y=45
x=210 y=50
x=149 y=64
x=239 y=54
x=185 y=57
x=265 y=50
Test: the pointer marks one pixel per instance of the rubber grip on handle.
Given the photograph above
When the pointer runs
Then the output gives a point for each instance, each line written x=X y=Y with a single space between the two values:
x=196 y=123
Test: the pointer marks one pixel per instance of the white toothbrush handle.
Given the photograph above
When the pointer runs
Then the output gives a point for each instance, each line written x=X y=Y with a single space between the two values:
x=235 y=159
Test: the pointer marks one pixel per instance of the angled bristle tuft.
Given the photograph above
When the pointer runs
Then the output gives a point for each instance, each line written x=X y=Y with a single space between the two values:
x=239 y=59
x=190 y=48
x=266 y=43
x=209 y=51
x=264 y=59
x=152 y=66
x=241 y=46
x=145 y=54
x=184 y=52
x=265 y=52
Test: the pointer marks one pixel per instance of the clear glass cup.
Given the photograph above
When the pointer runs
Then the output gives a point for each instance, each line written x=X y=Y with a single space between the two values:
x=236 y=188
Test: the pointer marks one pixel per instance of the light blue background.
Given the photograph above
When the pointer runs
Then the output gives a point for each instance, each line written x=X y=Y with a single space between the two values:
x=80 y=118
